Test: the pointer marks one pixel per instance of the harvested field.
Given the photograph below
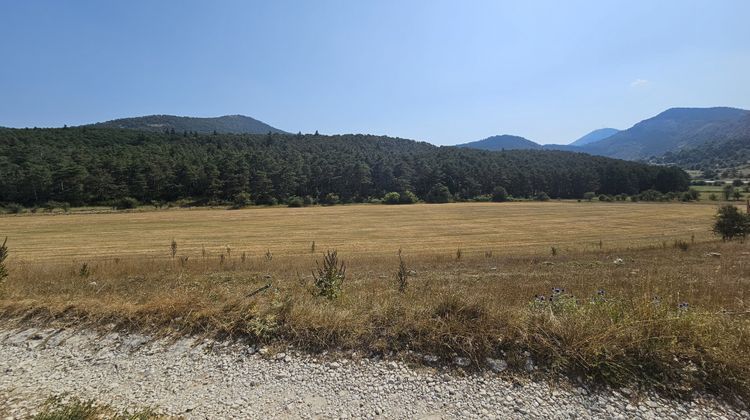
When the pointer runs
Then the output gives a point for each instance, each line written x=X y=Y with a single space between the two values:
x=507 y=228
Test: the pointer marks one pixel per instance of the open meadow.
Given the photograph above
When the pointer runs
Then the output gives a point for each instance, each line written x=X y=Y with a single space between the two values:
x=619 y=293
x=521 y=228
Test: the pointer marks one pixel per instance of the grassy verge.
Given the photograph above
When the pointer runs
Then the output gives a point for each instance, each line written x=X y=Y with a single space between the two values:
x=665 y=318
x=69 y=408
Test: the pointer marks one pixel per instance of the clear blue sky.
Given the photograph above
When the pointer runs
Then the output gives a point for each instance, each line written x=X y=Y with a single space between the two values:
x=441 y=71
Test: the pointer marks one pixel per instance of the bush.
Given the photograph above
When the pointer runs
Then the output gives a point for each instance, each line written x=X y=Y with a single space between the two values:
x=499 y=194
x=14 y=208
x=713 y=197
x=605 y=197
x=125 y=203
x=589 y=195
x=728 y=191
x=730 y=223
x=242 y=199
x=295 y=202
x=651 y=195
x=408 y=197
x=484 y=198
x=392 y=198
x=737 y=183
x=542 y=196
x=439 y=193
x=266 y=200
x=308 y=201
x=331 y=199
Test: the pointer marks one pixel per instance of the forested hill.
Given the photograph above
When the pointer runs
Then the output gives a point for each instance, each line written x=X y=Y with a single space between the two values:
x=237 y=124
x=86 y=165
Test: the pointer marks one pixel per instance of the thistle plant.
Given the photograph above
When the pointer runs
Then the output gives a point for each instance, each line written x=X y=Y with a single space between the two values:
x=173 y=248
x=3 y=256
x=402 y=276
x=330 y=276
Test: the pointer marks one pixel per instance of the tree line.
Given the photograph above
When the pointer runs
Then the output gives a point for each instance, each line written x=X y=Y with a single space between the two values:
x=87 y=165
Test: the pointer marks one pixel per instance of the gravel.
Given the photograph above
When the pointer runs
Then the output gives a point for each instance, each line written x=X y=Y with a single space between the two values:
x=197 y=378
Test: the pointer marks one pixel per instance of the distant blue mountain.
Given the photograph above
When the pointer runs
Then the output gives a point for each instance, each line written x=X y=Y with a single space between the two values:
x=673 y=130
x=595 y=136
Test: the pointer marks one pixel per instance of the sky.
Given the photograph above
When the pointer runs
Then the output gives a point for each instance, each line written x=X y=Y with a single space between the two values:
x=446 y=72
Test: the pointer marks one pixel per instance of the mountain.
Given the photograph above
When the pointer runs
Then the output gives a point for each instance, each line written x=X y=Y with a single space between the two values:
x=594 y=136
x=503 y=142
x=237 y=124
x=673 y=130
x=733 y=152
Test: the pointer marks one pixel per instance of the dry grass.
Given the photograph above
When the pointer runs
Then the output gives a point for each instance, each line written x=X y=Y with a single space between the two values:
x=519 y=228
x=479 y=306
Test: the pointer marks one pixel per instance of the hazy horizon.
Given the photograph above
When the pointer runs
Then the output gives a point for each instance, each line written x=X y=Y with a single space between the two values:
x=427 y=71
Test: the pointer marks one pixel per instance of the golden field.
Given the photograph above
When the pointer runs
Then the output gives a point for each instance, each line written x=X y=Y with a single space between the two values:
x=618 y=321
x=514 y=228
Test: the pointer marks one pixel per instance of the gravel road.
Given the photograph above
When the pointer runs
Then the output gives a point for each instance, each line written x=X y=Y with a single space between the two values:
x=203 y=379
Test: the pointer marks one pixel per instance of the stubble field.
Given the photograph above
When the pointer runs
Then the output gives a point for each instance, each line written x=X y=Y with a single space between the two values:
x=522 y=228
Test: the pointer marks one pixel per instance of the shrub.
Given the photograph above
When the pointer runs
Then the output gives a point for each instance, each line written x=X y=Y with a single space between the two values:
x=730 y=223
x=605 y=197
x=295 y=202
x=713 y=197
x=439 y=193
x=651 y=195
x=683 y=245
x=308 y=201
x=392 y=198
x=737 y=183
x=125 y=203
x=499 y=194
x=728 y=191
x=14 y=208
x=589 y=195
x=407 y=197
x=241 y=199
x=331 y=199
x=329 y=278
x=484 y=198
x=266 y=200
x=542 y=196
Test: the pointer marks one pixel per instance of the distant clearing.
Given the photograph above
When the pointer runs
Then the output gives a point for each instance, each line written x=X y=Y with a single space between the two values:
x=514 y=228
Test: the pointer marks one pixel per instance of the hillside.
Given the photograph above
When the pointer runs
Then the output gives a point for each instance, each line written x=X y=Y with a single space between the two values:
x=237 y=124
x=673 y=130
x=86 y=165
x=594 y=136
x=502 y=142
x=734 y=153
